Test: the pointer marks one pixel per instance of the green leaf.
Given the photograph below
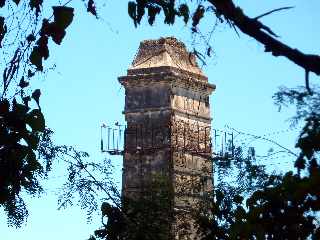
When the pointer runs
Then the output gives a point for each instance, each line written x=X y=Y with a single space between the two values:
x=106 y=209
x=32 y=163
x=240 y=213
x=219 y=196
x=36 y=58
x=32 y=140
x=21 y=152
x=20 y=109
x=300 y=163
x=57 y=33
x=36 y=96
x=63 y=16
x=184 y=12
x=4 y=107
x=141 y=5
x=31 y=38
x=16 y=1
x=101 y=233
x=36 y=4
x=35 y=120
x=3 y=29
x=198 y=14
x=43 y=47
x=23 y=83
x=92 y=8
x=170 y=13
x=152 y=12
x=2 y=3
x=238 y=199
x=26 y=100
x=30 y=73
x=209 y=50
x=132 y=11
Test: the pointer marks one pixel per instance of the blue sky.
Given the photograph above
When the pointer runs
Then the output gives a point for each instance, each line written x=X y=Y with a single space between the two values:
x=83 y=90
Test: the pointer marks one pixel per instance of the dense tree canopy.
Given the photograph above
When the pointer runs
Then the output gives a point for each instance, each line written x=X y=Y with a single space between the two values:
x=26 y=148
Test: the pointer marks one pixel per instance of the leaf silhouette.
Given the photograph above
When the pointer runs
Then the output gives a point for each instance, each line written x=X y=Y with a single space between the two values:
x=2 y=3
x=63 y=16
x=36 y=95
x=198 y=14
x=36 y=120
x=92 y=8
x=184 y=12
x=23 y=83
x=3 y=29
x=36 y=4
x=36 y=58
x=152 y=12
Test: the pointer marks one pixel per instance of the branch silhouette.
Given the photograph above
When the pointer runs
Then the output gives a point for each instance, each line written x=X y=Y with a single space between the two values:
x=263 y=34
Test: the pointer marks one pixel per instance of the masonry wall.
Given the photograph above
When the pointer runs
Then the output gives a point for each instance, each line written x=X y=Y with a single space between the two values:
x=167 y=155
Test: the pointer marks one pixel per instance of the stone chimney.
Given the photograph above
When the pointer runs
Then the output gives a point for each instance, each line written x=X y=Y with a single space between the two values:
x=167 y=141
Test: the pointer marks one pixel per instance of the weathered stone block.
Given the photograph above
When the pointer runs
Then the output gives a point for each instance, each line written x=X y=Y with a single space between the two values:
x=167 y=144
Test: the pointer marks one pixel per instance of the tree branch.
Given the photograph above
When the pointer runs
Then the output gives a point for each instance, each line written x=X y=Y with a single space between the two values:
x=265 y=139
x=272 y=11
x=255 y=29
x=307 y=82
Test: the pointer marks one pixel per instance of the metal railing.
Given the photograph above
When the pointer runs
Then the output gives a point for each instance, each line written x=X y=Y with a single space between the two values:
x=116 y=139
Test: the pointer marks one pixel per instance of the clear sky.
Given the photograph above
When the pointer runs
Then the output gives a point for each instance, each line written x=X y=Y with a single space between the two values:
x=83 y=90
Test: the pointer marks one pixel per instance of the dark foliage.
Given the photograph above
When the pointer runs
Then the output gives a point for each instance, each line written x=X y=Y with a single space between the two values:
x=286 y=207
x=20 y=133
x=26 y=149
x=86 y=182
x=224 y=12
x=143 y=217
